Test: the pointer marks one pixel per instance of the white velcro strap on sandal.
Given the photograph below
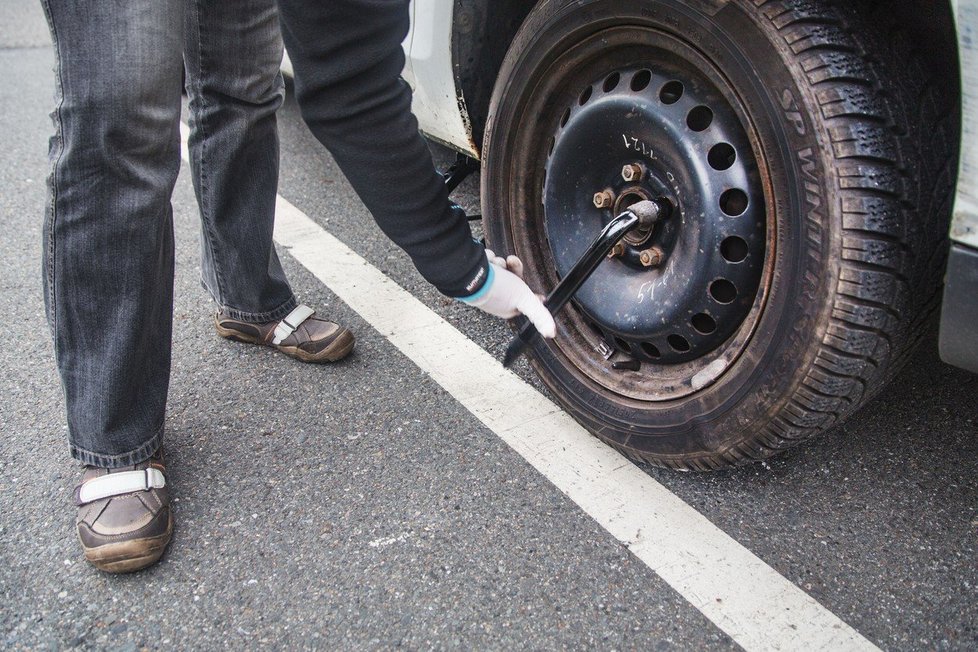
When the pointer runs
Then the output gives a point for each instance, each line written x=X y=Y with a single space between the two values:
x=117 y=484
x=291 y=322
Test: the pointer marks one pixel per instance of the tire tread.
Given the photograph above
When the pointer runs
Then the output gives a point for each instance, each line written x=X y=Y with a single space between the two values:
x=892 y=236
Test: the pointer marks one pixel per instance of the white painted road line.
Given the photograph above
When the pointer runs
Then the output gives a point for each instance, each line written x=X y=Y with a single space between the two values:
x=750 y=601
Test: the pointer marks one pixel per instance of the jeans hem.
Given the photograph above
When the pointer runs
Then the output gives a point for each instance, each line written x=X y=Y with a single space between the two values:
x=262 y=317
x=141 y=454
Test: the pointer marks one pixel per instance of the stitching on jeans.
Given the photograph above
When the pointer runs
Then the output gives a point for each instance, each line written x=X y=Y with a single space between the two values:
x=205 y=212
x=55 y=165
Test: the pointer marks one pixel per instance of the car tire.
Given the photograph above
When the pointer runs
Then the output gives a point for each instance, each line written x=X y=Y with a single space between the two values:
x=840 y=145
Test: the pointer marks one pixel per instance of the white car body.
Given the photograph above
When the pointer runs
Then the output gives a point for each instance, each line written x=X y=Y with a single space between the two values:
x=964 y=228
x=439 y=106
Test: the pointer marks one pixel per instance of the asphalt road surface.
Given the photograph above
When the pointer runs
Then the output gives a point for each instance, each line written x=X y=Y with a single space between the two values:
x=373 y=504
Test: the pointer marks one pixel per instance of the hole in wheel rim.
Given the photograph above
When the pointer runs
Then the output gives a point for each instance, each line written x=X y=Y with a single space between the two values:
x=734 y=249
x=678 y=343
x=722 y=156
x=734 y=202
x=611 y=82
x=699 y=119
x=703 y=323
x=651 y=350
x=641 y=80
x=723 y=291
x=671 y=92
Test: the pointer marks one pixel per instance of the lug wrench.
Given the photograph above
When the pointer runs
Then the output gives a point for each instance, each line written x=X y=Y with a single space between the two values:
x=644 y=213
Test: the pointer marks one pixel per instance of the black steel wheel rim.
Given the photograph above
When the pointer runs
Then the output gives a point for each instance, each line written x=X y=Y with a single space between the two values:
x=638 y=97
x=638 y=133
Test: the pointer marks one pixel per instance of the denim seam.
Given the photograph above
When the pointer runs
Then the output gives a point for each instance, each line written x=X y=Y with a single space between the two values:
x=55 y=165
x=135 y=456
x=205 y=212
x=262 y=317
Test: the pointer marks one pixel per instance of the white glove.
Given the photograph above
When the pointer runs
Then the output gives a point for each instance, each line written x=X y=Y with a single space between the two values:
x=506 y=295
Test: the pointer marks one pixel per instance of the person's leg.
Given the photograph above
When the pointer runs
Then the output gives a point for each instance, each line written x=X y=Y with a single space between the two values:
x=108 y=254
x=233 y=56
x=108 y=262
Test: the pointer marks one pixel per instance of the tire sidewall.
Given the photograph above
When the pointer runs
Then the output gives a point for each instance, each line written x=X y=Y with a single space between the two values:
x=790 y=146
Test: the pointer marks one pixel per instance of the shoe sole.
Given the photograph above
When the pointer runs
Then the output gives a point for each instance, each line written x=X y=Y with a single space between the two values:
x=338 y=349
x=130 y=556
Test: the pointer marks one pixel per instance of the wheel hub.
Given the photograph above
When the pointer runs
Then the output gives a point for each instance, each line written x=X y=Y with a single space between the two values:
x=677 y=291
x=632 y=195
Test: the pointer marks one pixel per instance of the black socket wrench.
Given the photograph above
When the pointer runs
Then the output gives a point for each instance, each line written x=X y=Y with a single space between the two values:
x=644 y=213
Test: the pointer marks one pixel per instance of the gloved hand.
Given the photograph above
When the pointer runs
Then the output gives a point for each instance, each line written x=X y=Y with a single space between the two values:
x=506 y=295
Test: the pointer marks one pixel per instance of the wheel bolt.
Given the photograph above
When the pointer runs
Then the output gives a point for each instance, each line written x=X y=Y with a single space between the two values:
x=631 y=172
x=617 y=251
x=604 y=199
x=651 y=257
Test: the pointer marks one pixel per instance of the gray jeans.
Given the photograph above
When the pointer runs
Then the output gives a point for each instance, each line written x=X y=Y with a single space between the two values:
x=115 y=154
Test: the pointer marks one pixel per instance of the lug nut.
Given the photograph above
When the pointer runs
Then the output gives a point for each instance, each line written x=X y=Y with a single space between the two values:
x=631 y=172
x=604 y=199
x=651 y=257
x=617 y=251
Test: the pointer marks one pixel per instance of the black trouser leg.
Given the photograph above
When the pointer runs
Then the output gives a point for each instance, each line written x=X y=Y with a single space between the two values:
x=348 y=60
